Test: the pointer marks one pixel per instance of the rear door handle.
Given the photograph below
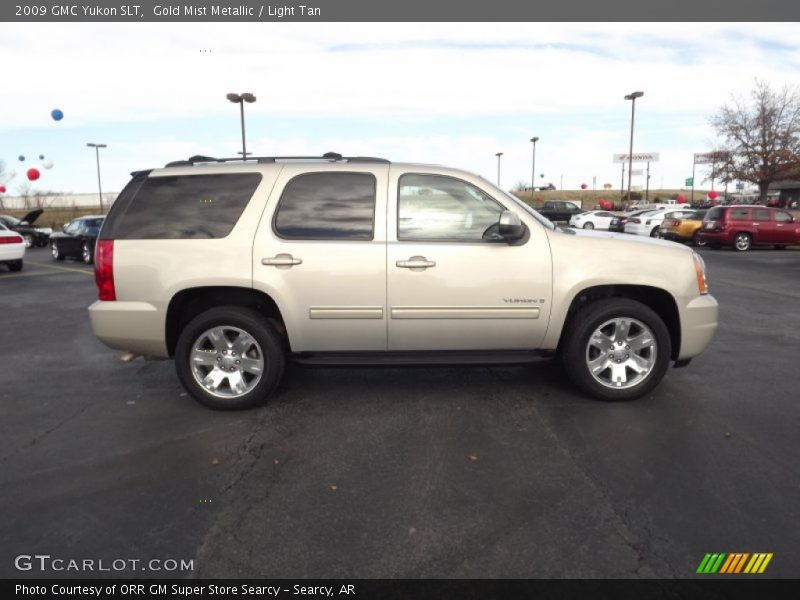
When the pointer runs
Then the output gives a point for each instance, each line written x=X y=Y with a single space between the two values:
x=281 y=260
x=416 y=263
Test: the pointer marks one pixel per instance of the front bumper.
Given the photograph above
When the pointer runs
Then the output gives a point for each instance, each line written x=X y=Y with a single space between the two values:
x=137 y=327
x=699 y=321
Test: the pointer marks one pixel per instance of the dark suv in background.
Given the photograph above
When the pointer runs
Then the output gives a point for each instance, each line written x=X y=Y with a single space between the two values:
x=742 y=227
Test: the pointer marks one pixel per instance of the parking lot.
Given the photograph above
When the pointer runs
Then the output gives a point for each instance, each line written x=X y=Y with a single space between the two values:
x=440 y=472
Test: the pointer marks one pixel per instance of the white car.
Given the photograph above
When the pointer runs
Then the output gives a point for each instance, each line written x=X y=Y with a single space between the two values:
x=594 y=219
x=648 y=223
x=12 y=248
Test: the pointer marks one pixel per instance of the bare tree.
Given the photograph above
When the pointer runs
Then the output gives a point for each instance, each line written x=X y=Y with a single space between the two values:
x=761 y=135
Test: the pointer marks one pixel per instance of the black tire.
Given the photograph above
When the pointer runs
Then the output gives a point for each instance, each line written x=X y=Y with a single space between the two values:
x=655 y=231
x=697 y=240
x=780 y=247
x=742 y=242
x=55 y=251
x=581 y=327
x=588 y=225
x=87 y=253
x=252 y=323
x=15 y=266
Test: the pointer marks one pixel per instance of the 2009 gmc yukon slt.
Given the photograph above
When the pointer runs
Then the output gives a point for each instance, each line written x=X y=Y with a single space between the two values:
x=234 y=267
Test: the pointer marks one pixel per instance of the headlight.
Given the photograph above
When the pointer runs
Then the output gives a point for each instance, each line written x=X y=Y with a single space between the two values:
x=700 y=271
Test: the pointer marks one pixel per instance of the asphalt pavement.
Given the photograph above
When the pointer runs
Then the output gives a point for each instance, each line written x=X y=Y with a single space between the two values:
x=440 y=472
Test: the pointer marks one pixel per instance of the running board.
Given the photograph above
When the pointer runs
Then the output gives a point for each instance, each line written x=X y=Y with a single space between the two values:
x=419 y=359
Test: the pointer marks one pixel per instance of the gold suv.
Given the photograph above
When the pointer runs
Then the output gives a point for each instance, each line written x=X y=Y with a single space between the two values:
x=233 y=267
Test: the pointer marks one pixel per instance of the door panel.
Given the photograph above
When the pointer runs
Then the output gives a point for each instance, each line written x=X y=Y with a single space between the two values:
x=327 y=273
x=461 y=294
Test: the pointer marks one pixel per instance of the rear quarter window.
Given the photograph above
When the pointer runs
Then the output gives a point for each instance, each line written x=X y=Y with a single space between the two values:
x=739 y=214
x=181 y=207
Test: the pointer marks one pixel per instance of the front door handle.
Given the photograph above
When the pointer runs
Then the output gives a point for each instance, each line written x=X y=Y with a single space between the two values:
x=416 y=263
x=281 y=260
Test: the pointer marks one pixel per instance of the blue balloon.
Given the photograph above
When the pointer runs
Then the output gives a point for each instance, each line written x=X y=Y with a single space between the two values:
x=56 y=114
x=21 y=157
x=41 y=157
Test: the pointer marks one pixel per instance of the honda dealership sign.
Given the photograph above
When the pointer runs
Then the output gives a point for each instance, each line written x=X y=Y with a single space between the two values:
x=636 y=157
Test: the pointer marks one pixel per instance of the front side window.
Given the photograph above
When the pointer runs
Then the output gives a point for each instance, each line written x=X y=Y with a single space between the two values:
x=436 y=207
x=327 y=206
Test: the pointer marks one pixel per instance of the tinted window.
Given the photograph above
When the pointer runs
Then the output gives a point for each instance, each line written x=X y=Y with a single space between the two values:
x=435 y=207
x=92 y=223
x=325 y=206
x=739 y=214
x=760 y=214
x=782 y=217
x=185 y=206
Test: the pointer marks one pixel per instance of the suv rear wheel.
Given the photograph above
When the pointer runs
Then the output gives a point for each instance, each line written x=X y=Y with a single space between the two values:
x=742 y=242
x=229 y=358
x=616 y=349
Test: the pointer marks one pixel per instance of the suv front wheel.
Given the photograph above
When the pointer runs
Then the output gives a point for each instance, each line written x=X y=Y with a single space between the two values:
x=616 y=349
x=229 y=358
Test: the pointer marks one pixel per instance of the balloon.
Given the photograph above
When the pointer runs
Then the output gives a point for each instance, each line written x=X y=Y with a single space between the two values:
x=33 y=174
x=47 y=164
x=21 y=157
x=680 y=198
x=41 y=157
x=56 y=114
x=712 y=195
x=2 y=189
x=584 y=186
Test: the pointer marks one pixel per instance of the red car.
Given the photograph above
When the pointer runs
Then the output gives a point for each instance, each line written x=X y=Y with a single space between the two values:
x=745 y=226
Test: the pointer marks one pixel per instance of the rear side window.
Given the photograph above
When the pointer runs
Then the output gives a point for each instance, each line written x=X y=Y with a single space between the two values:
x=739 y=214
x=182 y=207
x=327 y=206
x=760 y=214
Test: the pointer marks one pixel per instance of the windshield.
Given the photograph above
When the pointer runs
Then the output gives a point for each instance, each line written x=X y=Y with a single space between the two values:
x=12 y=220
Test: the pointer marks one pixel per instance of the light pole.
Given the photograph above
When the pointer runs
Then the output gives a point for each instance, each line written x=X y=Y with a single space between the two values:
x=632 y=97
x=240 y=99
x=533 y=165
x=498 y=155
x=97 y=156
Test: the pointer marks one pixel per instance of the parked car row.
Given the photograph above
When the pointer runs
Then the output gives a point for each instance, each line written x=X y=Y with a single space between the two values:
x=738 y=226
x=31 y=235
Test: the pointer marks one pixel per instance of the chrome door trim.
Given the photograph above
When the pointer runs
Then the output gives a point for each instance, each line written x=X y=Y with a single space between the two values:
x=464 y=312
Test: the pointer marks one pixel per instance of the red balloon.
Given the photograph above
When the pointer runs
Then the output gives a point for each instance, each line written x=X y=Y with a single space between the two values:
x=2 y=189
x=584 y=186
x=680 y=198
x=712 y=195
x=33 y=174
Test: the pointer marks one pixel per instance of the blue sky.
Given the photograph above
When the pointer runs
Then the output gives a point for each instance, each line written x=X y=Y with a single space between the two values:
x=451 y=94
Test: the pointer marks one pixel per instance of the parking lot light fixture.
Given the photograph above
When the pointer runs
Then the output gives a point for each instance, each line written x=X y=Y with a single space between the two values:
x=240 y=99
x=498 y=155
x=97 y=156
x=533 y=165
x=632 y=97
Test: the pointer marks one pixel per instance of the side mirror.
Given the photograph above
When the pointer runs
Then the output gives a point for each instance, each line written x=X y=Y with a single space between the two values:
x=510 y=227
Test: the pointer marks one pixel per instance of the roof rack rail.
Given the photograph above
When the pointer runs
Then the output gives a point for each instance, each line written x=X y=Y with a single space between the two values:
x=328 y=156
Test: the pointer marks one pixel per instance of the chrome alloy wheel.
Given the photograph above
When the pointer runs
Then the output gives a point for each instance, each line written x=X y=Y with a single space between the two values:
x=621 y=353
x=227 y=361
x=742 y=242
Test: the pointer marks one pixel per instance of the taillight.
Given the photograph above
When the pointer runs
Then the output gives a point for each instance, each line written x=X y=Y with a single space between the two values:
x=14 y=239
x=104 y=269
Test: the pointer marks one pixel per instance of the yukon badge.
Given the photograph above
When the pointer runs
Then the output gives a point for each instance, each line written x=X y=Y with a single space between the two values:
x=523 y=301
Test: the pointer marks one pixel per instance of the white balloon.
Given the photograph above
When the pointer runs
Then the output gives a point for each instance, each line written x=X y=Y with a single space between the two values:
x=47 y=163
